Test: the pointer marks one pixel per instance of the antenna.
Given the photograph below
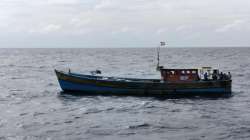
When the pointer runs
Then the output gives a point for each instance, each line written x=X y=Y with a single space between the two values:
x=158 y=67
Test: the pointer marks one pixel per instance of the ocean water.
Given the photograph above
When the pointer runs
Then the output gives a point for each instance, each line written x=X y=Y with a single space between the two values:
x=32 y=107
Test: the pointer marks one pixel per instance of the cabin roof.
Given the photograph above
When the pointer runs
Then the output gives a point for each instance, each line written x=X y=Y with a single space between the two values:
x=178 y=69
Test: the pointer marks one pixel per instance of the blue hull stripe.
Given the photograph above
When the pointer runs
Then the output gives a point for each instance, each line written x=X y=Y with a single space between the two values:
x=65 y=85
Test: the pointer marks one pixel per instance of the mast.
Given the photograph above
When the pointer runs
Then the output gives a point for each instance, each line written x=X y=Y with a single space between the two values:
x=158 y=67
x=158 y=58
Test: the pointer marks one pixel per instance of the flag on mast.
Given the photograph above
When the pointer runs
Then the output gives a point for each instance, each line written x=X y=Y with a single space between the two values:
x=163 y=43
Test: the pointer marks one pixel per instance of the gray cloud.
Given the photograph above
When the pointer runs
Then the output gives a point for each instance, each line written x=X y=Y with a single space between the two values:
x=112 y=23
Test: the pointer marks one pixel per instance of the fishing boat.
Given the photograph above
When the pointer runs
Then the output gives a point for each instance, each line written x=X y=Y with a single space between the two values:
x=173 y=82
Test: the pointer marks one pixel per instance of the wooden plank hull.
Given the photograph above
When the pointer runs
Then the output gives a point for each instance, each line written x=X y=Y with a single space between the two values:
x=88 y=84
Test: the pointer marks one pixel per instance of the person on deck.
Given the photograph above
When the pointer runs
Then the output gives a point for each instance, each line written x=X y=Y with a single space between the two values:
x=229 y=75
x=205 y=76
x=221 y=76
x=214 y=76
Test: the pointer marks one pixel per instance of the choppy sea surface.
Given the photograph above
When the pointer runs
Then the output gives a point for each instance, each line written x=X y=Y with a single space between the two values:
x=32 y=107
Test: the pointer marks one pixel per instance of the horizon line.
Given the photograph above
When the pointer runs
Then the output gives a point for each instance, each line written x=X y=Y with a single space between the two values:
x=123 y=47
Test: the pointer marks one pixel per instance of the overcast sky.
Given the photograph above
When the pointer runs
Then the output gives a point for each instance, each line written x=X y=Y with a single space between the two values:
x=124 y=23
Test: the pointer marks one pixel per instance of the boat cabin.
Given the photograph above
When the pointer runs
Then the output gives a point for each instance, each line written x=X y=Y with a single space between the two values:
x=175 y=75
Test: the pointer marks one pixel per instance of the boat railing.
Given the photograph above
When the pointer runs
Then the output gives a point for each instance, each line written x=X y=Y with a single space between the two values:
x=92 y=77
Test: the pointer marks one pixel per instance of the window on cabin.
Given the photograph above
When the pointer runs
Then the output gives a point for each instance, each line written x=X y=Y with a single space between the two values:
x=194 y=72
x=188 y=72
x=184 y=78
x=172 y=72
x=183 y=72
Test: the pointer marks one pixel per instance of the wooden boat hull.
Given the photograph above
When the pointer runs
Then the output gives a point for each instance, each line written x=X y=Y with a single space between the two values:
x=88 y=84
